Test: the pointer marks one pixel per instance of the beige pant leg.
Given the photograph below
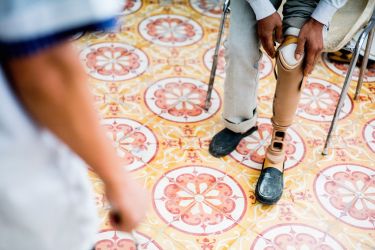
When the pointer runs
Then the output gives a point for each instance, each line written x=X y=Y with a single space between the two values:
x=286 y=99
x=242 y=56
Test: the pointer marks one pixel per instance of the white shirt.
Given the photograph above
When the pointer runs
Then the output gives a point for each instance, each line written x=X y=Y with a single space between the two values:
x=323 y=12
x=46 y=201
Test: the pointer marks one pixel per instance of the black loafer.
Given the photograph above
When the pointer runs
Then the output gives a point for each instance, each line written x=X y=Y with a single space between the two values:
x=270 y=186
x=224 y=142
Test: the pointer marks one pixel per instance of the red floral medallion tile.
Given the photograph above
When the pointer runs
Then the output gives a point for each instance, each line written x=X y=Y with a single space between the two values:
x=130 y=6
x=199 y=200
x=319 y=99
x=208 y=59
x=252 y=149
x=348 y=193
x=295 y=236
x=135 y=144
x=369 y=134
x=265 y=66
x=114 y=61
x=211 y=8
x=115 y=240
x=342 y=68
x=170 y=30
x=180 y=100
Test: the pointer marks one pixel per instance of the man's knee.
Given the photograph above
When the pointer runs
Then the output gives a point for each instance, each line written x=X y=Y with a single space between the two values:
x=235 y=53
x=289 y=83
x=286 y=57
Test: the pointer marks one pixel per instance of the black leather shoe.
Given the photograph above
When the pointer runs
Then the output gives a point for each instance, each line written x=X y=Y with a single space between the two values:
x=224 y=142
x=270 y=186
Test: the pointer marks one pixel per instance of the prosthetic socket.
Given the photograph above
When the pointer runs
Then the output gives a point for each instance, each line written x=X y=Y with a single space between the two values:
x=287 y=95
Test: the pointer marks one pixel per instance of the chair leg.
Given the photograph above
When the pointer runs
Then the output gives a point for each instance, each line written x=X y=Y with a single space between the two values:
x=345 y=88
x=364 y=64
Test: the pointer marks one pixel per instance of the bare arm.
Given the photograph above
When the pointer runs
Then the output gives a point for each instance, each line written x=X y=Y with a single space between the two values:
x=53 y=89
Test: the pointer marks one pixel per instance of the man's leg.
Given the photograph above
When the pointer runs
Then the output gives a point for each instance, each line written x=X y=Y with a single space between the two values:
x=290 y=72
x=287 y=95
x=242 y=56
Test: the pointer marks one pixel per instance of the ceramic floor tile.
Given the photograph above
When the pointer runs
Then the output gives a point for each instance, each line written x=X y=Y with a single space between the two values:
x=353 y=238
x=148 y=84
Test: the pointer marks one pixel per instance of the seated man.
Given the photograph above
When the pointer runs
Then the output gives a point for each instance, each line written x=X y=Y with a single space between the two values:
x=301 y=35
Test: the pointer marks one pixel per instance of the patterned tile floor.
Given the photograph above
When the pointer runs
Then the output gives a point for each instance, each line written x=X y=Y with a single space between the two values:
x=149 y=79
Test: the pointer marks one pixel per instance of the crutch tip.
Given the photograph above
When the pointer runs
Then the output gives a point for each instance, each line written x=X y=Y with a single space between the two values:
x=207 y=106
x=325 y=151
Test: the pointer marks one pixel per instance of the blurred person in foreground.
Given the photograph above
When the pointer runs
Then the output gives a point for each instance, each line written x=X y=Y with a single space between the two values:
x=49 y=128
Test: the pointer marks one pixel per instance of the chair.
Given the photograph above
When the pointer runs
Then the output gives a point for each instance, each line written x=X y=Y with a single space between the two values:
x=339 y=36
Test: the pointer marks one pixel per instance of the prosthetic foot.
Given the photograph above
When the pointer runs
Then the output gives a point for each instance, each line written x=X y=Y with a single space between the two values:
x=288 y=90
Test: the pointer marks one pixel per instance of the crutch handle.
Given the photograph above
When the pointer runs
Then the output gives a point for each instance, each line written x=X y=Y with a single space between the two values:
x=226 y=6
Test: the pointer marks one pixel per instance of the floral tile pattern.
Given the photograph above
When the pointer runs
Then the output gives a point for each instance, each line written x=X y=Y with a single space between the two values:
x=369 y=134
x=252 y=149
x=111 y=240
x=341 y=70
x=180 y=100
x=199 y=200
x=149 y=79
x=130 y=6
x=114 y=61
x=135 y=144
x=209 y=8
x=170 y=30
x=295 y=236
x=318 y=101
x=347 y=192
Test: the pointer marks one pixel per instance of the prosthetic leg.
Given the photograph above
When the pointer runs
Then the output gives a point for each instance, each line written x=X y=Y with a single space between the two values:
x=287 y=95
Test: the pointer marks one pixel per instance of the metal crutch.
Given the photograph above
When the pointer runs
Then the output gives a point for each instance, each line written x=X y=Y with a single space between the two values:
x=348 y=78
x=226 y=10
x=364 y=64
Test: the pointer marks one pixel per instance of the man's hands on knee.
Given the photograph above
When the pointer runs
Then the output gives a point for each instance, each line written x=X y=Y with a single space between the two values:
x=310 y=43
x=270 y=28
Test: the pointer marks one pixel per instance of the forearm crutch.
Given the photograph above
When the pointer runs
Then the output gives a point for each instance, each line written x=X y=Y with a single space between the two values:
x=226 y=10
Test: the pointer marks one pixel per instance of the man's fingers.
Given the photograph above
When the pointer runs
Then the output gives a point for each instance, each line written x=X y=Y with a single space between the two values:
x=268 y=46
x=312 y=53
x=309 y=62
x=279 y=34
x=271 y=47
x=308 y=69
x=300 y=48
x=309 y=66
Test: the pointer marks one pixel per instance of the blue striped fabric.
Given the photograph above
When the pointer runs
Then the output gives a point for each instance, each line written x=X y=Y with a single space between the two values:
x=28 y=47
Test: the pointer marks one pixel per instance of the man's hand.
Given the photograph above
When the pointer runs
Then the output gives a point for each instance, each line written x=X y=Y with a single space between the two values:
x=129 y=201
x=310 y=42
x=268 y=29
